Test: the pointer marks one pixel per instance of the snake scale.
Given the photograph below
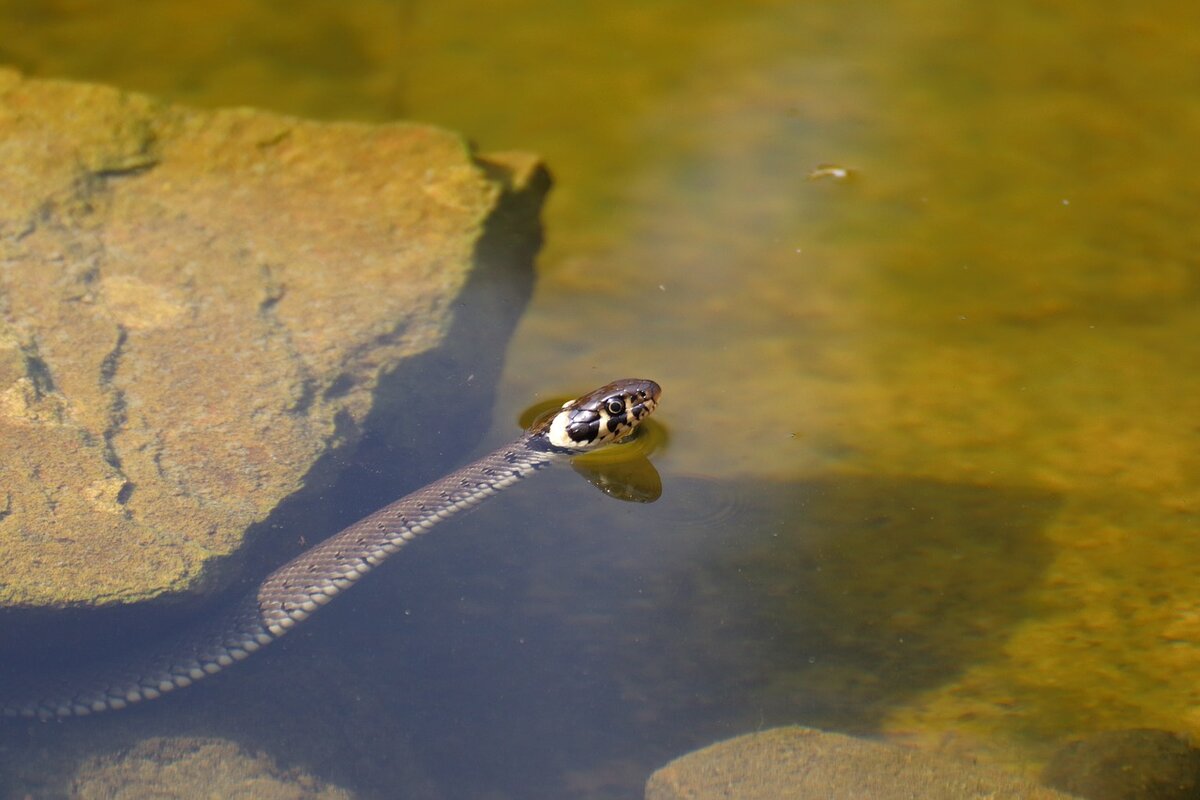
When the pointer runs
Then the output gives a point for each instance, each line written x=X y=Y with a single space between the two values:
x=295 y=590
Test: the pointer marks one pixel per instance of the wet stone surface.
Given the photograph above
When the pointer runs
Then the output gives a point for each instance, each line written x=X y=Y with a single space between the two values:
x=197 y=307
x=797 y=763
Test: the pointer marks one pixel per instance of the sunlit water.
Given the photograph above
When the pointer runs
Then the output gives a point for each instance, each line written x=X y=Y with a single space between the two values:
x=934 y=471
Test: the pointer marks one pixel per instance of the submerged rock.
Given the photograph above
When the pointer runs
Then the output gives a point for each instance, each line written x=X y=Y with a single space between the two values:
x=1137 y=764
x=196 y=307
x=184 y=767
x=797 y=763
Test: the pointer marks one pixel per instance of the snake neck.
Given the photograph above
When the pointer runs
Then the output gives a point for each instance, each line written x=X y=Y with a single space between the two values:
x=297 y=588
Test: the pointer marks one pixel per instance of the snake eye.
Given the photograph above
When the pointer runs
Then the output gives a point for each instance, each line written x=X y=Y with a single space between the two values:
x=616 y=406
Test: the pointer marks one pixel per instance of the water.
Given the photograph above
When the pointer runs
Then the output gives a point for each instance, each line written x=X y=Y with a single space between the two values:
x=933 y=469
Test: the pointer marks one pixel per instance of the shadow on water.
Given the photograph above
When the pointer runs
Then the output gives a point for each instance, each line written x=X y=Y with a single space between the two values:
x=556 y=644
x=851 y=594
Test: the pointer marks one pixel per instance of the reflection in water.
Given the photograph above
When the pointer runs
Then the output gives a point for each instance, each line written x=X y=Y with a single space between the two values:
x=634 y=481
x=558 y=645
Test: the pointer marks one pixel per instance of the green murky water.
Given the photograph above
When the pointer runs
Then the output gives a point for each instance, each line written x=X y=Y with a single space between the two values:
x=993 y=319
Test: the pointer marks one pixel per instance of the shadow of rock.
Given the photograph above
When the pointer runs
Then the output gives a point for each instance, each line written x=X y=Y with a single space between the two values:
x=568 y=645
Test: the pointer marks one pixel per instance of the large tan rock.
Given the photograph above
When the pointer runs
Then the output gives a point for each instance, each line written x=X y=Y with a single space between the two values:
x=798 y=763
x=196 y=306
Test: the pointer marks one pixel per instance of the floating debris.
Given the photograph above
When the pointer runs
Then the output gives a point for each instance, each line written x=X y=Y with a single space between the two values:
x=830 y=172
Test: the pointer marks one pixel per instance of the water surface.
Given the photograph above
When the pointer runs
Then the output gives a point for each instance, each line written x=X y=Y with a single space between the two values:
x=933 y=472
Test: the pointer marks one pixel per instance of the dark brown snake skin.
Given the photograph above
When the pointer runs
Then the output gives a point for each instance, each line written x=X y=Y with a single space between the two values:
x=294 y=591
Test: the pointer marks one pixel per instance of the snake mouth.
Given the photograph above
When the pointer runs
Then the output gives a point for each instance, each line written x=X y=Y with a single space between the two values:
x=647 y=403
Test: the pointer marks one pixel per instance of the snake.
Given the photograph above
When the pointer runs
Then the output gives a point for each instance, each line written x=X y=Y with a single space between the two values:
x=293 y=592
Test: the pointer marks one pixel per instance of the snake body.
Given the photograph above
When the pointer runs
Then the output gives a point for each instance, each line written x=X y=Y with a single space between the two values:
x=295 y=590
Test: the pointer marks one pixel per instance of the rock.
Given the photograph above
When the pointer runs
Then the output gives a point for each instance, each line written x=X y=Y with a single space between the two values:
x=1123 y=765
x=185 y=768
x=198 y=307
x=797 y=763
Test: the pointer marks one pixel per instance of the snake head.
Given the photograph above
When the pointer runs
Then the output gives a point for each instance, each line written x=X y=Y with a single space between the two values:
x=600 y=417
